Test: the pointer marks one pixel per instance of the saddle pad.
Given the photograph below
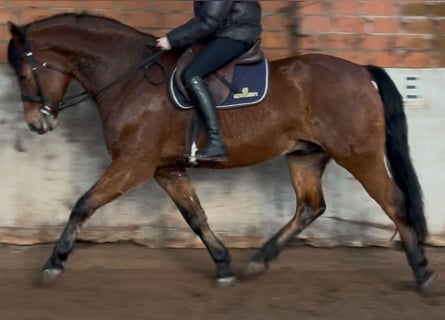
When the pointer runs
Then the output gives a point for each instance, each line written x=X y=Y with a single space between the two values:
x=251 y=83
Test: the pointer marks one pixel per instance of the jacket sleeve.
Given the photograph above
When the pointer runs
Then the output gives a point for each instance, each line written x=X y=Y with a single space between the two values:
x=211 y=18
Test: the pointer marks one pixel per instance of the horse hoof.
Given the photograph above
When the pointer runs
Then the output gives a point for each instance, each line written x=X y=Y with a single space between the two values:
x=49 y=276
x=427 y=288
x=225 y=282
x=255 y=268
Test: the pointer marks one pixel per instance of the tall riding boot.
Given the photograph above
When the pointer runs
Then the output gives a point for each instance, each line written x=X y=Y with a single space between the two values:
x=215 y=149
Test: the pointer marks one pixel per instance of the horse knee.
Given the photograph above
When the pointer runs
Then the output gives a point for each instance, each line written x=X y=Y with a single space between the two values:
x=308 y=213
x=82 y=209
x=197 y=223
x=195 y=219
x=320 y=210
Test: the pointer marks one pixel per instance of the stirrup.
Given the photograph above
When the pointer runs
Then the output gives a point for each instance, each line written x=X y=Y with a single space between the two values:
x=214 y=151
x=204 y=157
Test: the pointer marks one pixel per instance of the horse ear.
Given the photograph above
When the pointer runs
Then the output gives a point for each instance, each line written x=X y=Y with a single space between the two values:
x=12 y=27
x=15 y=31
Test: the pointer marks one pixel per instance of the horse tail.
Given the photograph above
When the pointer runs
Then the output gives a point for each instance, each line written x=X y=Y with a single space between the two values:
x=397 y=150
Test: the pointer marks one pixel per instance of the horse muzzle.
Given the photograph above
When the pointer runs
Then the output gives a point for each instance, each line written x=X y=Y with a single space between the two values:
x=43 y=124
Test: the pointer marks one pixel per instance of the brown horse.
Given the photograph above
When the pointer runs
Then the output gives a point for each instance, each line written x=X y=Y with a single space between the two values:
x=318 y=108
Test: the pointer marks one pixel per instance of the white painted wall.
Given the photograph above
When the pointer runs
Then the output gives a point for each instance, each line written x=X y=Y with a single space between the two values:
x=42 y=177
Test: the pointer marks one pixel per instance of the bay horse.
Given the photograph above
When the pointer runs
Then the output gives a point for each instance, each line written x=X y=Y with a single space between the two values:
x=318 y=108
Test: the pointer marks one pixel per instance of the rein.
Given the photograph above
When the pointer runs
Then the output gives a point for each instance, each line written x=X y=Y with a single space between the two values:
x=74 y=99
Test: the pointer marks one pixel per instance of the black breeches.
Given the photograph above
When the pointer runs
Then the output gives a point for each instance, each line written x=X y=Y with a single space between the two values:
x=213 y=56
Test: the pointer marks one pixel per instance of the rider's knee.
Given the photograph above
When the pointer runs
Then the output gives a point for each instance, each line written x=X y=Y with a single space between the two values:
x=186 y=77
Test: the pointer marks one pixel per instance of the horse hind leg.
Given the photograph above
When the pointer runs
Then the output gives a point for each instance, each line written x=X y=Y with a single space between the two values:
x=306 y=171
x=370 y=170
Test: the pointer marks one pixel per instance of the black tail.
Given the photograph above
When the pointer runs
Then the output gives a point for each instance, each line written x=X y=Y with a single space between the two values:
x=397 y=150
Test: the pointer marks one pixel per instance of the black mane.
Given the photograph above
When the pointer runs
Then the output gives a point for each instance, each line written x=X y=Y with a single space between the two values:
x=79 y=19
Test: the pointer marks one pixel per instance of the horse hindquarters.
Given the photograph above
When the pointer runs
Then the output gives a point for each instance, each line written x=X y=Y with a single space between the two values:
x=398 y=191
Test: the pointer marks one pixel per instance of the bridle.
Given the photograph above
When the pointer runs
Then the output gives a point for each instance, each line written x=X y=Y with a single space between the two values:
x=47 y=107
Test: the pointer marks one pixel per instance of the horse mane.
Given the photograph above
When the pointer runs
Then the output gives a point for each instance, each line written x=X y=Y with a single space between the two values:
x=84 y=20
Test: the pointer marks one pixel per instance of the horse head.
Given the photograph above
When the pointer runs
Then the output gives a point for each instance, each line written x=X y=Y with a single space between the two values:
x=42 y=84
x=98 y=52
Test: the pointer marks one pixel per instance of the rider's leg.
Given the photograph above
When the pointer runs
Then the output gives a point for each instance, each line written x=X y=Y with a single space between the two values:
x=213 y=56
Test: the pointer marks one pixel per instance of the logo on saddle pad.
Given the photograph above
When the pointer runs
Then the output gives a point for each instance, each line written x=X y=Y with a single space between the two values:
x=242 y=85
x=245 y=93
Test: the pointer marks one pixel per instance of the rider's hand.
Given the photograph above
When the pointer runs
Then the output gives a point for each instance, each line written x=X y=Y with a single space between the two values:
x=163 y=43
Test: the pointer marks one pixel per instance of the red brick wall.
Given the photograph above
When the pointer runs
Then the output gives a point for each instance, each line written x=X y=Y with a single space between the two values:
x=391 y=33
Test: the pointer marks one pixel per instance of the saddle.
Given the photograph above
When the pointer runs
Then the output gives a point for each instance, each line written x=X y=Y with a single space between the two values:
x=219 y=82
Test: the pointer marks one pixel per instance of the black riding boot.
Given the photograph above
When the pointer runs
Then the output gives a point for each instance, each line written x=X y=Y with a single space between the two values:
x=215 y=149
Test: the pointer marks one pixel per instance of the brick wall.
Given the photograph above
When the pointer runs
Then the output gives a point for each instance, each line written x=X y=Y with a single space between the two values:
x=391 y=33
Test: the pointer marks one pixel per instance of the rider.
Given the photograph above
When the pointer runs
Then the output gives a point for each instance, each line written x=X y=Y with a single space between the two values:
x=228 y=29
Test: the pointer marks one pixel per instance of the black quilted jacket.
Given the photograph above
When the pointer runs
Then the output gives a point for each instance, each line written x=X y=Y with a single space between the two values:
x=238 y=20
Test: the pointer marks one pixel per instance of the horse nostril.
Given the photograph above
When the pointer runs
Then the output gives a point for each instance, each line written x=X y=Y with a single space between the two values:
x=32 y=127
x=35 y=129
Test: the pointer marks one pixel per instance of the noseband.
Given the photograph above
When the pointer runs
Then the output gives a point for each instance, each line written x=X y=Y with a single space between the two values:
x=47 y=108
x=45 y=104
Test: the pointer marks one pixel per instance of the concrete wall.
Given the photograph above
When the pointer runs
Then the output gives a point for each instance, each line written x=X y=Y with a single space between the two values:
x=42 y=177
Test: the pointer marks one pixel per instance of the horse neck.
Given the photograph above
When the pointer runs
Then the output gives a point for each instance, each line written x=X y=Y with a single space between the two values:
x=97 y=58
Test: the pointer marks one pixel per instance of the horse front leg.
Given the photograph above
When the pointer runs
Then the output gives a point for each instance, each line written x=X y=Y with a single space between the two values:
x=119 y=177
x=177 y=185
